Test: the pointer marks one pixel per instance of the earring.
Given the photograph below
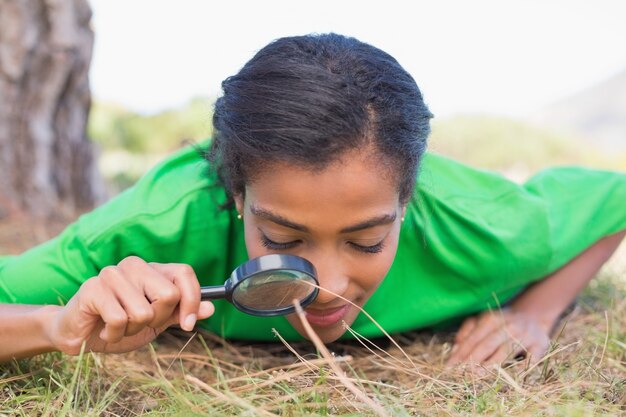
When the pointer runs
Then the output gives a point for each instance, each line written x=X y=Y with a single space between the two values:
x=402 y=219
x=239 y=217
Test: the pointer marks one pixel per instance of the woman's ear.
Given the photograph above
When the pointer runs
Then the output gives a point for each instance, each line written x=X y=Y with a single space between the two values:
x=238 y=198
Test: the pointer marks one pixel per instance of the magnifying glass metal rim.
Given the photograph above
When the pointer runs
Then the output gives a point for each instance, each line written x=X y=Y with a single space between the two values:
x=263 y=264
x=269 y=263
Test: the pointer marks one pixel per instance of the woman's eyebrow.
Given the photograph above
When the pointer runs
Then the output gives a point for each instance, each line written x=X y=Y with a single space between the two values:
x=273 y=217
x=278 y=219
x=375 y=221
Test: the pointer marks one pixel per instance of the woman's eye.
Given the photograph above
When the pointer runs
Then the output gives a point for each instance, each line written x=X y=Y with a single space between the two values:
x=368 y=249
x=270 y=244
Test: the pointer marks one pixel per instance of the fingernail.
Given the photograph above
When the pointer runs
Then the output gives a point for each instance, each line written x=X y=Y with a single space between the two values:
x=206 y=309
x=454 y=349
x=190 y=321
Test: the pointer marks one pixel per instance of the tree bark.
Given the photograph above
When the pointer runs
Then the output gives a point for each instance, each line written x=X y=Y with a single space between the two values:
x=47 y=164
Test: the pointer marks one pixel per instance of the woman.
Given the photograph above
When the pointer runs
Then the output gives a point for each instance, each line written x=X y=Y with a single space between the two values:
x=318 y=141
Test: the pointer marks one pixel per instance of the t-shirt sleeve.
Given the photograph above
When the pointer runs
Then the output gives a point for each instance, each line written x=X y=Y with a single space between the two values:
x=49 y=273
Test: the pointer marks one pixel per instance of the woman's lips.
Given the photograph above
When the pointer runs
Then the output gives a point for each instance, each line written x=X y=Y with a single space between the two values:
x=326 y=317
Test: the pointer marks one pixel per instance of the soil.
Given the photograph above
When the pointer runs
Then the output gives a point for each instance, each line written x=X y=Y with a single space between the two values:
x=19 y=232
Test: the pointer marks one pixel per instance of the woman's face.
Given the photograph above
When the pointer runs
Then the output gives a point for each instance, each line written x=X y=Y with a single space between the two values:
x=344 y=219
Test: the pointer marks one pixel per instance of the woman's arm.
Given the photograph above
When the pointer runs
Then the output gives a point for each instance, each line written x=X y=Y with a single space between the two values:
x=547 y=299
x=23 y=330
x=525 y=325
x=121 y=309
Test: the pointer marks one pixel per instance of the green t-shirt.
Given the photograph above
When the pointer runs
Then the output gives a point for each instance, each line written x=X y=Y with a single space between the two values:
x=470 y=239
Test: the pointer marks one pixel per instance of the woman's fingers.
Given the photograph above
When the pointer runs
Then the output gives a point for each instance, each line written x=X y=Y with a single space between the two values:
x=508 y=349
x=112 y=314
x=159 y=291
x=206 y=310
x=538 y=349
x=166 y=287
x=485 y=324
x=155 y=295
x=132 y=299
x=489 y=346
x=188 y=290
x=502 y=335
x=465 y=330
x=127 y=305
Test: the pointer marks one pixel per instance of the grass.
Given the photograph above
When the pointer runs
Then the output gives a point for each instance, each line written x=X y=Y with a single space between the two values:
x=584 y=374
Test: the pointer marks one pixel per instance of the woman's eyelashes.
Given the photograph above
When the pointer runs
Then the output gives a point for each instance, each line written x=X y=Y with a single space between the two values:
x=368 y=249
x=272 y=245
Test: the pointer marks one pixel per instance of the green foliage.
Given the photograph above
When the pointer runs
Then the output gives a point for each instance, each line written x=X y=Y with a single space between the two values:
x=504 y=144
x=115 y=128
x=132 y=143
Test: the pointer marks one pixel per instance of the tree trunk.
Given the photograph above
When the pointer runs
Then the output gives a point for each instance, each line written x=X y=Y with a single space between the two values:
x=47 y=164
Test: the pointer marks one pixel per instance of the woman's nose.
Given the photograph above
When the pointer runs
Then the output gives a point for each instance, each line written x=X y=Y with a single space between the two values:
x=332 y=279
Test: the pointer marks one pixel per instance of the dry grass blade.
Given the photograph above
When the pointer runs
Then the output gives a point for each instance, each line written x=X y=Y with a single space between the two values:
x=384 y=332
x=606 y=338
x=18 y=377
x=334 y=366
x=547 y=357
x=180 y=352
x=509 y=379
x=231 y=399
x=294 y=370
x=397 y=362
x=393 y=362
x=295 y=352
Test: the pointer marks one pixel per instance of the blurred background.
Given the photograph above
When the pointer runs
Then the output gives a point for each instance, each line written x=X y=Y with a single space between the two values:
x=515 y=86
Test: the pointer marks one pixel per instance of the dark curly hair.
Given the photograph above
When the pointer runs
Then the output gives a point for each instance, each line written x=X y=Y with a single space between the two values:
x=309 y=99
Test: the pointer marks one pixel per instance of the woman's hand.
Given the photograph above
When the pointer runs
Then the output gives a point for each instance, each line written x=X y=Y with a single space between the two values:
x=524 y=328
x=495 y=336
x=127 y=306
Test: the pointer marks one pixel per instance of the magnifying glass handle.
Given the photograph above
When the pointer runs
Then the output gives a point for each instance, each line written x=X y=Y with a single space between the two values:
x=213 y=293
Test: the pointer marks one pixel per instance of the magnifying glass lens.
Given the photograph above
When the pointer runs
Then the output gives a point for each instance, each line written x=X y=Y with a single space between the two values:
x=266 y=286
x=273 y=290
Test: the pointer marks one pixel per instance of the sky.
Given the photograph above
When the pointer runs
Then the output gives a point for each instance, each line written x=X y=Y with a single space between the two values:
x=503 y=57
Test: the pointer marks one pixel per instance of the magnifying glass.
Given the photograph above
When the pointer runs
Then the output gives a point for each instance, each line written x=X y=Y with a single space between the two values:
x=267 y=285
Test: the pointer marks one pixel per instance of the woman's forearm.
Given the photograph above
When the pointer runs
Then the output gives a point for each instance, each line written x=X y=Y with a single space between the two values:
x=547 y=299
x=23 y=330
